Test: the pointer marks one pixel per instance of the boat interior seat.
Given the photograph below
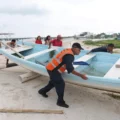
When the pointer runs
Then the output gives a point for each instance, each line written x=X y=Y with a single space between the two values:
x=39 y=53
x=84 y=58
x=114 y=72
x=19 y=49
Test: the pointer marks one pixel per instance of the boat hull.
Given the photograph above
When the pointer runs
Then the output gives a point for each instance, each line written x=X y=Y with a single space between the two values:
x=97 y=82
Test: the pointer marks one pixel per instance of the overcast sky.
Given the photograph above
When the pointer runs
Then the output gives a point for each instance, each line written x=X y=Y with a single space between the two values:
x=66 y=17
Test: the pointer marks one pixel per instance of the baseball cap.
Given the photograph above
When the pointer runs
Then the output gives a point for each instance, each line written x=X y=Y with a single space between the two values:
x=76 y=45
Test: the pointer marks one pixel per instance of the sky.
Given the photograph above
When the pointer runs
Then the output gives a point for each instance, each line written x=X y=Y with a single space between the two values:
x=30 y=18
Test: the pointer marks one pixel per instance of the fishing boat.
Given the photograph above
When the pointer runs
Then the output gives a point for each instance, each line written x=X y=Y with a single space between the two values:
x=101 y=70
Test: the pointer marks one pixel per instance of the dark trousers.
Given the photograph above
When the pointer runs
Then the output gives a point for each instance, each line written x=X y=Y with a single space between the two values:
x=56 y=81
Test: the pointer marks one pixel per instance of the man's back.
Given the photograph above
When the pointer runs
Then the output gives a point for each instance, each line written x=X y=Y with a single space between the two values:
x=99 y=49
x=56 y=42
x=67 y=61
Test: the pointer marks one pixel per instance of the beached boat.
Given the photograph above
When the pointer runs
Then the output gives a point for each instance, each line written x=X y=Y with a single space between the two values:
x=101 y=71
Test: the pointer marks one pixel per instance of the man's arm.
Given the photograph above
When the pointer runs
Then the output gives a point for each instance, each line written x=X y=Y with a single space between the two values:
x=111 y=51
x=68 y=60
x=50 y=43
x=83 y=76
x=61 y=44
x=8 y=43
x=94 y=50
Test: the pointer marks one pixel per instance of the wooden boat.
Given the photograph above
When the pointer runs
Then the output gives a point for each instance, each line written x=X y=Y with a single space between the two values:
x=102 y=72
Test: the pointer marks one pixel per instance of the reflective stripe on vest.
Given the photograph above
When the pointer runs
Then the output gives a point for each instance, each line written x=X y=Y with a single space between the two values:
x=57 y=60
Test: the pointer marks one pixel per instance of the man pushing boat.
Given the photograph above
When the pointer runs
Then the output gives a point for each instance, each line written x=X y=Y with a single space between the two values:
x=109 y=48
x=61 y=62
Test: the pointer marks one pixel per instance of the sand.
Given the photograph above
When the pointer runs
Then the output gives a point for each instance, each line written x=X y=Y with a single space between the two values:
x=85 y=103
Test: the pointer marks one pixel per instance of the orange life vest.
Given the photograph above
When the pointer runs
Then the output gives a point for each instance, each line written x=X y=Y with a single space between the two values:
x=57 y=60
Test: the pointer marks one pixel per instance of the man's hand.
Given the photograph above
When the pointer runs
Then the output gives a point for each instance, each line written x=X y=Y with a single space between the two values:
x=83 y=77
x=49 y=45
x=79 y=74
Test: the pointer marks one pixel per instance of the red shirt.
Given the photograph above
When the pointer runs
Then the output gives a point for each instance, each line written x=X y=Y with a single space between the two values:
x=38 y=42
x=56 y=42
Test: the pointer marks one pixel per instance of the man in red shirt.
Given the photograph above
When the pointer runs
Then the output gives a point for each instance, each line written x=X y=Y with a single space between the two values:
x=56 y=42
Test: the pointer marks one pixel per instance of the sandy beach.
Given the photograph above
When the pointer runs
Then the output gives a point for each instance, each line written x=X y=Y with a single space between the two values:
x=86 y=47
x=85 y=103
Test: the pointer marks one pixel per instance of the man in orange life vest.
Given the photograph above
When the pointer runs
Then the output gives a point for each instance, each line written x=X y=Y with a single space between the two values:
x=58 y=65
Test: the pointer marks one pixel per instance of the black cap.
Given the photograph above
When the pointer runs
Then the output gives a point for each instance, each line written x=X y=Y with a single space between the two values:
x=76 y=45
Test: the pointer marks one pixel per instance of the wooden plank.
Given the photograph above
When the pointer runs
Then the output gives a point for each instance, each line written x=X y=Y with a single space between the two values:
x=114 y=72
x=19 y=49
x=39 y=53
x=28 y=76
x=31 y=111
x=84 y=58
x=13 y=50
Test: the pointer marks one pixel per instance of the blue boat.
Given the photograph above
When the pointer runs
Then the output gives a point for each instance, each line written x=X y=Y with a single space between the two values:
x=101 y=69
